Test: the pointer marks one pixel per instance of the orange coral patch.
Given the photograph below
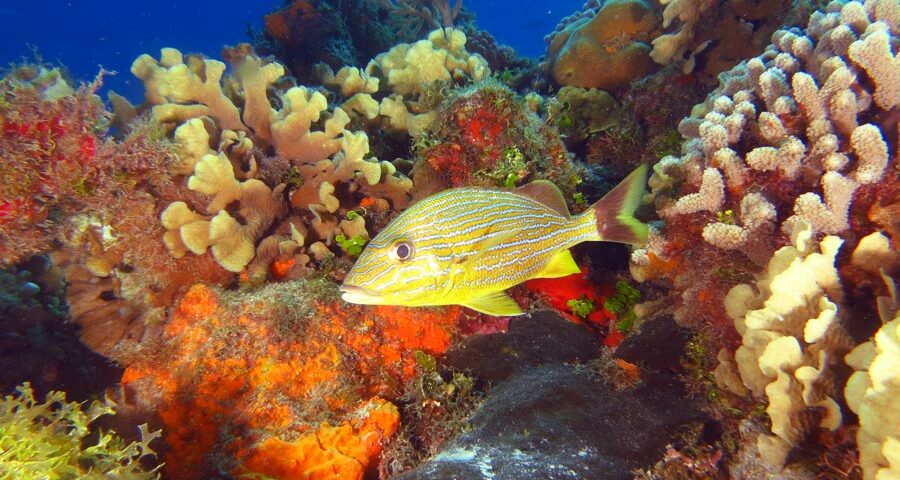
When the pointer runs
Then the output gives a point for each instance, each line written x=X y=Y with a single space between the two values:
x=343 y=452
x=229 y=377
x=281 y=266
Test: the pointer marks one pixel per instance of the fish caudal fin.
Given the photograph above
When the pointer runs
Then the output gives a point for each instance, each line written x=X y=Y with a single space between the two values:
x=614 y=212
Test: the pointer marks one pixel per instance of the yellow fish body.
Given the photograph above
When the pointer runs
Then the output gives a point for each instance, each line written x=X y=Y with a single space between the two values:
x=465 y=246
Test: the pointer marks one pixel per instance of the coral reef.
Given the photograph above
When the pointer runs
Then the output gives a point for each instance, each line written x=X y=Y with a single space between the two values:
x=73 y=189
x=412 y=79
x=196 y=240
x=606 y=50
x=579 y=113
x=436 y=13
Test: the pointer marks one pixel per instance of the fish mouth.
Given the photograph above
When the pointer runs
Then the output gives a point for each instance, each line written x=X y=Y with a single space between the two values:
x=360 y=295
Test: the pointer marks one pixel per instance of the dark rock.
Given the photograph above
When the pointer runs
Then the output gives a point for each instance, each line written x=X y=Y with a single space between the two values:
x=560 y=421
x=538 y=338
x=657 y=346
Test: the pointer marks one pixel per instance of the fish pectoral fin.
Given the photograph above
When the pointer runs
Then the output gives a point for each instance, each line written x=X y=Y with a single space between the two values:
x=498 y=304
x=487 y=243
x=561 y=265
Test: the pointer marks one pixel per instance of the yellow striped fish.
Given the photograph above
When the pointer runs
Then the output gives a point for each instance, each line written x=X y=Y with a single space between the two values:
x=465 y=246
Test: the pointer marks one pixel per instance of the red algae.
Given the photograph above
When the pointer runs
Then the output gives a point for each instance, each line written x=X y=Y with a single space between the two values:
x=559 y=292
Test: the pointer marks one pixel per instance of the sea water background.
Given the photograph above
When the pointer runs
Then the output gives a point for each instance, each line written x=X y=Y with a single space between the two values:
x=84 y=35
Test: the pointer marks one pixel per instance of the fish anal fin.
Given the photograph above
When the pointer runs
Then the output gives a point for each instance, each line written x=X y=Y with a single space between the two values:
x=487 y=243
x=561 y=265
x=547 y=193
x=498 y=304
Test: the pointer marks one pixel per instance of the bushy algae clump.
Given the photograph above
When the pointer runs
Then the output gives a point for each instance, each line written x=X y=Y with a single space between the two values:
x=54 y=439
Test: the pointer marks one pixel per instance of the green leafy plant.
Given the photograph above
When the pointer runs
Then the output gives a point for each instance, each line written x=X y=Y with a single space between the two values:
x=353 y=245
x=54 y=440
x=582 y=306
x=622 y=305
x=725 y=216
x=578 y=197
x=510 y=180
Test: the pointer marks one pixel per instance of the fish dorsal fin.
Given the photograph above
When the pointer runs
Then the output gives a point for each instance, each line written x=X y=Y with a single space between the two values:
x=561 y=265
x=547 y=193
x=498 y=304
x=487 y=243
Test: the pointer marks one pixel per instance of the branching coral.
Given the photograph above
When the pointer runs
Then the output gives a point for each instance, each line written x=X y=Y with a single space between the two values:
x=791 y=136
x=792 y=141
x=709 y=37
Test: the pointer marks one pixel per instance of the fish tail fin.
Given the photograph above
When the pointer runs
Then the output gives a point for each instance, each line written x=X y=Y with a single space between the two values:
x=614 y=213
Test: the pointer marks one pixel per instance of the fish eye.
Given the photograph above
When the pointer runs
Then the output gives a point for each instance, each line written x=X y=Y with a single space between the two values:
x=402 y=251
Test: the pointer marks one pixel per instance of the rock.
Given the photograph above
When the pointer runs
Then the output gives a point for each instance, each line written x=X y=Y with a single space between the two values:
x=657 y=346
x=558 y=421
x=535 y=339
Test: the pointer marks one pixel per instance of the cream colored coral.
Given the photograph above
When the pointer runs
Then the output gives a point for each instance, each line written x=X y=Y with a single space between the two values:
x=348 y=80
x=672 y=46
x=178 y=217
x=872 y=392
x=349 y=166
x=872 y=152
x=873 y=53
x=291 y=131
x=874 y=254
x=756 y=213
x=192 y=143
x=195 y=89
x=231 y=246
x=709 y=198
x=214 y=176
x=362 y=104
x=255 y=80
x=401 y=119
x=790 y=329
x=231 y=242
x=442 y=57
x=830 y=216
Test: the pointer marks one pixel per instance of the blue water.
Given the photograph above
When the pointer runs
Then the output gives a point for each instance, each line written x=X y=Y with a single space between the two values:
x=84 y=35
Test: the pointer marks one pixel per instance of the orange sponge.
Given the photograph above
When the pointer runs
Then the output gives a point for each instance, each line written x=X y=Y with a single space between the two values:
x=343 y=452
